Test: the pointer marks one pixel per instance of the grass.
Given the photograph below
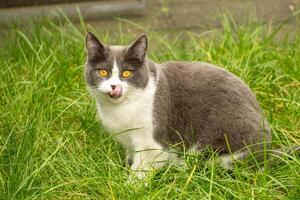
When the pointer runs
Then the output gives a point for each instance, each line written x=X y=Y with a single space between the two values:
x=53 y=147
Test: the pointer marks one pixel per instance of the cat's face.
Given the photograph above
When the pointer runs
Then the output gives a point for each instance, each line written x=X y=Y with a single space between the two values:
x=115 y=73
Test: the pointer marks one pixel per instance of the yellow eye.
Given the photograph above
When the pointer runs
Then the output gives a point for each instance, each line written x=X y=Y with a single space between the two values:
x=126 y=73
x=103 y=73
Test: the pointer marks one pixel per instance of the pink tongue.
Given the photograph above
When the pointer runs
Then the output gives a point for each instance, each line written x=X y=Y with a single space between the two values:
x=117 y=92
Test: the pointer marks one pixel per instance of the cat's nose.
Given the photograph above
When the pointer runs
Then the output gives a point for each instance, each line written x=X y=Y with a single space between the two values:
x=116 y=92
x=113 y=86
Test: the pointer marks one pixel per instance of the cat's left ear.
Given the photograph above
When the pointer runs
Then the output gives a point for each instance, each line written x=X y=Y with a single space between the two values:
x=95 y=49
x=138 y=48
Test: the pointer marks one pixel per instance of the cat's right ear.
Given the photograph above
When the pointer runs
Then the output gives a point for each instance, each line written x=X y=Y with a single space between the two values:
x=95 y=49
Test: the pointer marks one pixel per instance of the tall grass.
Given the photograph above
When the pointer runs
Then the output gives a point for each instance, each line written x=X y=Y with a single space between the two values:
x=53 y=147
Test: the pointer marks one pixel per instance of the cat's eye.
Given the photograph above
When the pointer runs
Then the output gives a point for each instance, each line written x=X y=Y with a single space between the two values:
x=126 y=74
x=103 y=73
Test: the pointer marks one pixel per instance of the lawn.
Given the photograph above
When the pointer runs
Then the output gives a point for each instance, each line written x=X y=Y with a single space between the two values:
x=52 y=145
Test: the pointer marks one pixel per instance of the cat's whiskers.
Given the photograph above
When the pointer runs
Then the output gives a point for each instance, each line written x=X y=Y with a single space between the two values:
x=97 y=92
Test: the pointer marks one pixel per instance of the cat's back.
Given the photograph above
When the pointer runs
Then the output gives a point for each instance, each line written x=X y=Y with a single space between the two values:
x=191 y=74
x=205 y=81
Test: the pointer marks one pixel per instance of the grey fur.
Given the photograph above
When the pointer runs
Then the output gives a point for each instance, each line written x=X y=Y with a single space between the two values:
x=199 y=104
x=195 y=104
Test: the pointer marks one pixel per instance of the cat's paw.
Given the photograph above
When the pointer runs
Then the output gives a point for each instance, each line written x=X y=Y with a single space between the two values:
x=137 y=176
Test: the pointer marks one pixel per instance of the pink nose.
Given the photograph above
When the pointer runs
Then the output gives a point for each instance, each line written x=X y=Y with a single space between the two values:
x=117 y=91
x=113 y=87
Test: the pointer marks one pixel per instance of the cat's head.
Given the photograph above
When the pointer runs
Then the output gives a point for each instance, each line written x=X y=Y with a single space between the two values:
x=116 y=72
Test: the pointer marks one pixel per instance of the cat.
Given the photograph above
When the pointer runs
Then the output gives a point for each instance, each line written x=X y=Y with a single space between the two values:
x=152 y=108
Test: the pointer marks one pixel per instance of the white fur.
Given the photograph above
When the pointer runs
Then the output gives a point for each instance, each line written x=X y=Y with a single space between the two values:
x=227 y=161
x=129 y=119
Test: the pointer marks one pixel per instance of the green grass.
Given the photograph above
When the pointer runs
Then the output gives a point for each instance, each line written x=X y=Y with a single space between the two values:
x=53 y=147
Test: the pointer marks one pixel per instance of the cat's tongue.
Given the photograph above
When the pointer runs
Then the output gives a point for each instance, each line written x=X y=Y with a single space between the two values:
x=117 y=92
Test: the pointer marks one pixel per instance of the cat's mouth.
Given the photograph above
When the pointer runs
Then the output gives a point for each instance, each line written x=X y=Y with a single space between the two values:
x=116 y=92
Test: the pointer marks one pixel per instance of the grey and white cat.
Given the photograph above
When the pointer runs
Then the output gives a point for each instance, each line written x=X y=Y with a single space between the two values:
x=150 y=107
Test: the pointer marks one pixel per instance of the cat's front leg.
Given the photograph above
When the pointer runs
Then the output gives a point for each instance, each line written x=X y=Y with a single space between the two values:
x=129 y=157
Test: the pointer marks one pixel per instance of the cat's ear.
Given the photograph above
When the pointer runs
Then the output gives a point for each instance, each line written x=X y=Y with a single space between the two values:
x=95 y=49
x=138 y=48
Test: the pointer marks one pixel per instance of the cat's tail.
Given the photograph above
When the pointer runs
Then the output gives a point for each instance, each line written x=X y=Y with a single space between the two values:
x=272 y=155
x=294 y=148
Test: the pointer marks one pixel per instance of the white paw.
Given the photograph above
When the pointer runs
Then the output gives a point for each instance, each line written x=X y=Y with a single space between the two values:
x=136 y=177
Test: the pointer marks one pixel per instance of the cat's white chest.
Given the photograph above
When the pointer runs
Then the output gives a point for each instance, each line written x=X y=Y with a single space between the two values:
x=120 y=118
x=130 y=122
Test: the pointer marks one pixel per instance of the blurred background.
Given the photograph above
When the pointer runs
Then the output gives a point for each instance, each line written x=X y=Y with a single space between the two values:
x=166 y=15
